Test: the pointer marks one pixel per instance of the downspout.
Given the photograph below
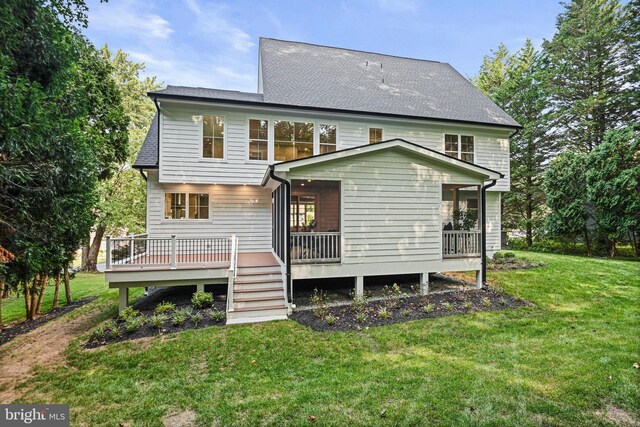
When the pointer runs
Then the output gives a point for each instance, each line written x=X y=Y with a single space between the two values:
x=142 y=173
x=483 y=237
x=287 y=185
x=155 y=101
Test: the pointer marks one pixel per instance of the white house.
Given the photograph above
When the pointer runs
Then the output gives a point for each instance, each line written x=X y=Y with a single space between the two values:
x=342 y=164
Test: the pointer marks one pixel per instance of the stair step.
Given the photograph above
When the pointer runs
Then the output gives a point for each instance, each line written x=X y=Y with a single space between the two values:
x=260 y=308
x=251 y=282
x=270 y=298
x=257 y=273
x=242 y=291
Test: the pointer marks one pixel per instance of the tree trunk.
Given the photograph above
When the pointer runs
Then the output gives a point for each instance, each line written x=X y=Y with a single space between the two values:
x=27 y=299
x=33 y=304
x=6 y=293
x=94 y=249
x=612 y=248
x=56 y=291
x=1 y=293
x=529 y=221
x=85 y=253
x=43 y=286
x=67 y=287
x=634 y=243
x=587 y=242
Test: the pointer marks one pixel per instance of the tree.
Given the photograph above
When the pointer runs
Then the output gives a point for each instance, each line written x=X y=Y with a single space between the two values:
x=566 y=191
x=122 y=201
x=588 y=78
x=514 y=82
x=613 y=186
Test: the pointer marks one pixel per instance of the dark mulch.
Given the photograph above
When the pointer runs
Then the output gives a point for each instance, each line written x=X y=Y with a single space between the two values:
x=181 y=297
x=409 y=308
x=10 y=332
x=513 y=264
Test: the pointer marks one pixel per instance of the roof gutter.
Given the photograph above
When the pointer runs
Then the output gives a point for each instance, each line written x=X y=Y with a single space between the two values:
x=155 y=101
x=142 y=173
x=287 y=220
x=483 y=236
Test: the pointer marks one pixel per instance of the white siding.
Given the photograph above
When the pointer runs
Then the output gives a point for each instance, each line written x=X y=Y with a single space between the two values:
x=243 y=210
x=181 y=145
x=493 y=222
x=391 y=205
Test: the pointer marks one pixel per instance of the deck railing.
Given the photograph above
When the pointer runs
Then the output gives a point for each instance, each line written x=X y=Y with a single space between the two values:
x=315 y=247
x=460 y=244
x=140 y=250
x=233 y=272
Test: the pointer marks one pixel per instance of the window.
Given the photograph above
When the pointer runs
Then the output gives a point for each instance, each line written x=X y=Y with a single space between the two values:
x=292 y=140
x=176 y=206
x=199 y=206
x=375 y=135
x=327 y=138
x=258 y=140
x=303 y=213
x=459 y=146
x=213 y=137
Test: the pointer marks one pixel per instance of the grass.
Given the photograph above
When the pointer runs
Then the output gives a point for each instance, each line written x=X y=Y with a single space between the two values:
x=562 y=361
x=83 y=285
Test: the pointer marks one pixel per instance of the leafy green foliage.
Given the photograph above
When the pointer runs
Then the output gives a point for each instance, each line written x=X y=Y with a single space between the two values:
x=164 y=307
x=158 y=320
x=319 y=303
x=464 y=219
x=134 y=323
x=128 y=314
x=181 y=315
x=202 y=299
x=216 y=315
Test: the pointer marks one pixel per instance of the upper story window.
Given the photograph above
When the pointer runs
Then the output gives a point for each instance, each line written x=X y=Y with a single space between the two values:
x=292 y=140
x=258 y=139
x=375 y=135
x=213 y=137
x=459 y=146
x=177 y=205
x=327 y=138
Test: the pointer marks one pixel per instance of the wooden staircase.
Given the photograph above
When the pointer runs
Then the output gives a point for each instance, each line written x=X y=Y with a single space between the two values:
x=258 y=292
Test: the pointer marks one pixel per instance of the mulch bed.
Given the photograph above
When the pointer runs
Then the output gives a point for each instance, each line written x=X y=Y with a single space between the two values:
x=513 y=264
x=10 y=332
x=409 y=308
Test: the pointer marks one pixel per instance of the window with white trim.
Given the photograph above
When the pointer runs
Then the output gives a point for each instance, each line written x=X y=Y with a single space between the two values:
x=459 y=146
x=327 y=138
x=375 y=135
x=258 y=139
x=178 y=205
x=292 y=140
x=213 y=137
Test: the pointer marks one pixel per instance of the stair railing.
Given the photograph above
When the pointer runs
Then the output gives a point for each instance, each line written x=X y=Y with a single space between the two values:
x=233 y=271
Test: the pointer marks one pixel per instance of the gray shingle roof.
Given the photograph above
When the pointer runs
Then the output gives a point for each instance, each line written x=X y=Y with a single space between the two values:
x=201 y=92
x=304 y=74
x=148 y=155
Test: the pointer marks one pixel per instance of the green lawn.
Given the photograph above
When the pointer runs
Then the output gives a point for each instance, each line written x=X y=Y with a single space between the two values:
x=560 y=362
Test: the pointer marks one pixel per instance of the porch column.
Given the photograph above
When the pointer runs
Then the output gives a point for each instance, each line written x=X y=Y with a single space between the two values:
x=200 y=288
x=424 y=283
x=479 y=279
x=359 y=286
x=123 y=299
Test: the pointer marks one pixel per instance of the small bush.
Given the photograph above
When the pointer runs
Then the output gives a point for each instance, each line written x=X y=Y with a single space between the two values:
x=202 y=299
x=157 y=320
x=180 y=316
x=330 y=319
x=361 y=317
x=447 y=306
x=216 y=315
x=428 y=308
x=509 y=255
x=486 y=302
x=134 y=324
x=502 y=301
x=383 y=313
x=359 y=302
x=128 y=314
x=391 y=294
x=196 y=318
x=319 y=302
x=467 y=305
x=112 y=328
x=406 y=312
x=497 y=256
x=164 y=307
x=98 y=333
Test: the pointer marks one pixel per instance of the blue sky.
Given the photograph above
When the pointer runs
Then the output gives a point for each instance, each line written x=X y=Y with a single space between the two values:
x=214 y=44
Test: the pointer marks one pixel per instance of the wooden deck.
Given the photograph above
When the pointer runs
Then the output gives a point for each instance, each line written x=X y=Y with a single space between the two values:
x=194 y=261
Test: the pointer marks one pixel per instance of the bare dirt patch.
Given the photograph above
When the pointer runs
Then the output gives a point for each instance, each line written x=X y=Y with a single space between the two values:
x=618 y=416
x=181 y=419
x=41 y=347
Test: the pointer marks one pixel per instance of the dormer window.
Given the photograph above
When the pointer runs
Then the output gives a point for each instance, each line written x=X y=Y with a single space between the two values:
x=213 y=137
x=459 y=146
x=327 y=138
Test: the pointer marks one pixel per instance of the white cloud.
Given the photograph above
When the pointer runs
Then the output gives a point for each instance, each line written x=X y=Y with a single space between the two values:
x=215 y=25
x=125 y=19
x=194 y=6
x=399 y=5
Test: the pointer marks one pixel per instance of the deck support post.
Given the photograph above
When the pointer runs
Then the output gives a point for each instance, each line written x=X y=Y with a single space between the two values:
x=200 y=287
x=174 y=262
x=479 y=279
x=359 y=286
x=123 y=299
x=424 y=283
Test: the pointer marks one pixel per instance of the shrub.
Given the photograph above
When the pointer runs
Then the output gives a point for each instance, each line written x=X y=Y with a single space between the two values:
x=497 y=256
x=486 y=302
x=202 y=299
x=509 y=255
x=467 y=305
x=502 y=301
x=164 y=307
x=391 y=294
x=134 y=324
x=383 y=313
x=128 y=314
x=406 y=312
x=216 y=315
x=319 y=302
x=360 y=317
x=180 y=316
x=98 y=333
x=157 y=320
x=112 y=328
x=330 y=319
x=428 y=308
x=360 y=302
x=196 y=318
x=447 y=306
